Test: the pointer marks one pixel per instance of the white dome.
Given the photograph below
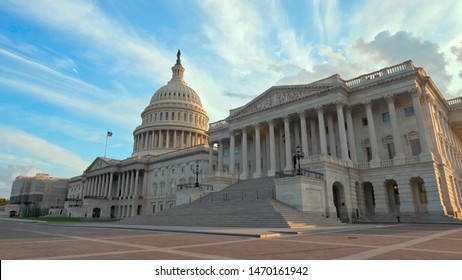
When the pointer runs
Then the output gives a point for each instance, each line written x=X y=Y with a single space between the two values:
x=174 y=118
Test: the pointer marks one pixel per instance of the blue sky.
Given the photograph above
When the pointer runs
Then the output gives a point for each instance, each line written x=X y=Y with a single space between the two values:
x=71 y=70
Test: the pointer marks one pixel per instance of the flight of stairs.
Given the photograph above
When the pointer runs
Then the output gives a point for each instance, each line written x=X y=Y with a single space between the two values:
x=247 y=203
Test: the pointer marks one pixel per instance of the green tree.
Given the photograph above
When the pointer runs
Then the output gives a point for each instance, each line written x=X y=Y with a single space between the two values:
x=4 y=201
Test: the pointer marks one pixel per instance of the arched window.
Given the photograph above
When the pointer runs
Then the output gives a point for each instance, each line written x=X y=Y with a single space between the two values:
x=166 y=116
x=160 y=118
x=173 y=116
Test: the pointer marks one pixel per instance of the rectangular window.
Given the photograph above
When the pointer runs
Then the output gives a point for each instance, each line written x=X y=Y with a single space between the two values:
x=386 y=117
x=409 y=111
x=391 y=150
x=364 y=121
x=415 y=147
x=368 y=154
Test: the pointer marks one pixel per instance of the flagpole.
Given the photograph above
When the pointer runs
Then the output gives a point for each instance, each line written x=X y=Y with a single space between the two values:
x=105 y=146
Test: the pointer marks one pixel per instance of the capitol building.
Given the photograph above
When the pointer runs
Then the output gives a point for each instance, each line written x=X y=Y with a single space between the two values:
x=378 y=146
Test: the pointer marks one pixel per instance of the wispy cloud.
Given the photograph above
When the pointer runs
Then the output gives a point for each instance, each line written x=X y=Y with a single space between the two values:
x=22 y=145
x=8 y=174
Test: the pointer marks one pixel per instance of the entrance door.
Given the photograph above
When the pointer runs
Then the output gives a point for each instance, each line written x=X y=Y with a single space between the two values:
x=369 y=198
x=96 y=213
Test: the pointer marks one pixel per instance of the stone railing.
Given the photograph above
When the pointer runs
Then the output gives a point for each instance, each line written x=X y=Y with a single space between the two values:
x=303 y=172
x=414 y=159
x=405 y=66
x=217 y=124
x=455 y=102
x=193 y=185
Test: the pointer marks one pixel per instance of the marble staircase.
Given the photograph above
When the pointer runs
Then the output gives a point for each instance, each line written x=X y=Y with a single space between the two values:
x=247 y=203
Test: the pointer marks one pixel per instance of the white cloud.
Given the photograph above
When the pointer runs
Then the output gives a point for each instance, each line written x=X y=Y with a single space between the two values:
x=327 y=20
x=8 y=174
x=22 y=145
x=385 y=49
x=392 y=49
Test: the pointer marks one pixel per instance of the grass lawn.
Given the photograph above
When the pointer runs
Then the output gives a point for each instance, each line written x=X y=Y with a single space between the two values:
x=64 y=219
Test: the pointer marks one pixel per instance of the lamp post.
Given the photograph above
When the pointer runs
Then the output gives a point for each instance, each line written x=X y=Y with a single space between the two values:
x=196 y=172
x=299 y=155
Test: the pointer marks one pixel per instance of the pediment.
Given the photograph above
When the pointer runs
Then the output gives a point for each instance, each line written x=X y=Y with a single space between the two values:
x=280 y=95
x=97 y=164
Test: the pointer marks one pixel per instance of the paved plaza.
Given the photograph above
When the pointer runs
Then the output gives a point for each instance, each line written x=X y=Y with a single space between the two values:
x=109 y=241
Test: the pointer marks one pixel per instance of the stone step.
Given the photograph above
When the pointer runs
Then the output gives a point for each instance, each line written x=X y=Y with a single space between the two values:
x=243 y=207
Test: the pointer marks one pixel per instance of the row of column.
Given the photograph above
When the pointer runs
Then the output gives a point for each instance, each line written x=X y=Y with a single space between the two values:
x=347 y=140
x=448 y=144
x=99 y=185
x=155 y=139
x=128 y=183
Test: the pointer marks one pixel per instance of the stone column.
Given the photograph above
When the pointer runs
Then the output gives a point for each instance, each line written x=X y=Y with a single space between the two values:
x=342 y=131
x=304 y=133
x=244 y=154
x=211 y=157
x=109 y=189
x=281 y=148
x=322 y=130
x=119 y=181
x=330 y=127
x=397 y=143
x=231 y=152
x=135 y=190
x=142 y=143
x=257 y=173
x=167 y=140
x=123 y=184
x=375 y=161
x=272 y=146
x=188 y=140
x=314 y=142
x=161 y=140
x=288 y=151
x=145 y=183
x=182 y=139
x=102 y=189
x=174 y=139
x=416 y=94
x=351 y=135
x=146 y=140
x=220 y=156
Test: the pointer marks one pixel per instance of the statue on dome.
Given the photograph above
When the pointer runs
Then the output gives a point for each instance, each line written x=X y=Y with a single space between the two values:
x=178 y=55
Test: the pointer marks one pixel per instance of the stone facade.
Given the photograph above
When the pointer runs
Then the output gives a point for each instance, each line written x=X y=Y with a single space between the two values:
x=380 y=145
x=387 y=143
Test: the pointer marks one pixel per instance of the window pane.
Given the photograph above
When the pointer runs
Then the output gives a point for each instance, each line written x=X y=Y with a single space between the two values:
x=409 y=111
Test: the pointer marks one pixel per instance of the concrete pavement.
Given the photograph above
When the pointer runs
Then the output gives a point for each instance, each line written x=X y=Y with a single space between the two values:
x=21 y=239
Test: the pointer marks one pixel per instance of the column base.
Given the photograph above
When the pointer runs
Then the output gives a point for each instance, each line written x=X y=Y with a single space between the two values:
x=257 y=175
x=271 y=173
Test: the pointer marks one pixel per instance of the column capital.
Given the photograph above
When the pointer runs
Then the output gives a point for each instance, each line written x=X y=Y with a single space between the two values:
x=319 y=109
x=415 y=92
x=285 y=117
x=302 y=114
x=339 y=103
x=367 y=103
x=347 y=109
x=390 y=98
